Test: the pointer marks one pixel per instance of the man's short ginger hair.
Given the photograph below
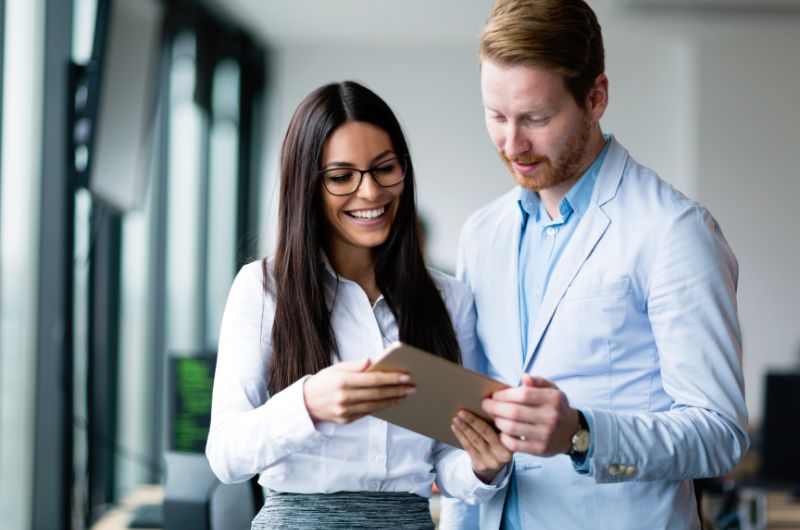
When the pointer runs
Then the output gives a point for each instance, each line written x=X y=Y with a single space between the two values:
x=562 y=36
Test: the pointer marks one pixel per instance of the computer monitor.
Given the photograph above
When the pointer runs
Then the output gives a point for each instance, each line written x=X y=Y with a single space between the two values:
x=193 y=496
x=190 y=382
x=780 y=436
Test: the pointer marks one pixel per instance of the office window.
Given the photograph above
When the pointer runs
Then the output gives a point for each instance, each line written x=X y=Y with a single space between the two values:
x=185 y=260
x=20 y=180
x=135 y=460
x=223 y=189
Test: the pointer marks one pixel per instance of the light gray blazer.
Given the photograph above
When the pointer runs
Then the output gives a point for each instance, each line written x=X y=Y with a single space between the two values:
x=639 y=327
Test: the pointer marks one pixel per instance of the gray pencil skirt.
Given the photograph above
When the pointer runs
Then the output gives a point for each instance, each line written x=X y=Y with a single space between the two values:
x=346 y=509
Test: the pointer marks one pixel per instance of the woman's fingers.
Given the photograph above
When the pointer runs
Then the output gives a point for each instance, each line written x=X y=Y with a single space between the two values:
x=349 y=366
x=488 y=436
x=371 y=379
x=482 y=444
x=359 y=395
x=354 y=412
x=476 y=441
x=344 y=391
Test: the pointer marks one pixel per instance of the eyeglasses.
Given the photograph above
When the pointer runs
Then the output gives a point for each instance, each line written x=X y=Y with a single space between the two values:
x=346 y=180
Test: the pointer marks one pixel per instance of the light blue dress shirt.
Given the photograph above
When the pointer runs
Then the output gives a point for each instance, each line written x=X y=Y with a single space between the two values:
x=541 y=244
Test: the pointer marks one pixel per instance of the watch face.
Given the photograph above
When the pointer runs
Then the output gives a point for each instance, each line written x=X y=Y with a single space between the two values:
x=580 y=441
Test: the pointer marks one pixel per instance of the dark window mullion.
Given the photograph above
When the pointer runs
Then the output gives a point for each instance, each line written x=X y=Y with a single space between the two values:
x=158 y=268
x=53 y=469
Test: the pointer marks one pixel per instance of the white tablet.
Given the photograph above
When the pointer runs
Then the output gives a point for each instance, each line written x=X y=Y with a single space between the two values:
x=443 y=388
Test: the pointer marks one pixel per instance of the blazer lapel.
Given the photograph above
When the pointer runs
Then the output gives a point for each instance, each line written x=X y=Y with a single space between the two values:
x=583 y=242
x=580 y=246
x=511 y=359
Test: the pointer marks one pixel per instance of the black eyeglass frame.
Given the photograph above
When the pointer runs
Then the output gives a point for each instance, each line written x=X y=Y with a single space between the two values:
x=402 y=159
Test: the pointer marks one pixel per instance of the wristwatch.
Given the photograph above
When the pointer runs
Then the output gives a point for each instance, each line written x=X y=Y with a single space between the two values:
x=580 y=440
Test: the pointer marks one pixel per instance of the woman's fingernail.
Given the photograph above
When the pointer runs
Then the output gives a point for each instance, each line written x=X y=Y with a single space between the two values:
x=410 y=390
x=405 y=378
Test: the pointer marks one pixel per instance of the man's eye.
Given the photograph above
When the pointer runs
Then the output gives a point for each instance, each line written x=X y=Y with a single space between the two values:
x=537 y=120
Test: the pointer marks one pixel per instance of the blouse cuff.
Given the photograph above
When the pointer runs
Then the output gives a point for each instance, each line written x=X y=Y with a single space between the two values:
x=296 y=430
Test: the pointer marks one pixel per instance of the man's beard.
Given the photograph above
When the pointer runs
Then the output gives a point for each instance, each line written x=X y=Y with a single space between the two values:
x=547 y=175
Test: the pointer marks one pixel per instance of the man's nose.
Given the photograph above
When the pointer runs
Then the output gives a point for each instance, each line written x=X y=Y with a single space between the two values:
x=516 y=143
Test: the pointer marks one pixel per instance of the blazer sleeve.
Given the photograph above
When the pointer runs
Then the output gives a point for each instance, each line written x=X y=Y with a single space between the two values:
x=691 y=306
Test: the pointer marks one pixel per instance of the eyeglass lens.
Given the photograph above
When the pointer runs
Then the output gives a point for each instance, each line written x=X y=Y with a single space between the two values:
x=345 y=180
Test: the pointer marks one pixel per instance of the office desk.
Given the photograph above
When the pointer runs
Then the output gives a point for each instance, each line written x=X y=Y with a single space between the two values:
x=119 y=516
x=783 y=511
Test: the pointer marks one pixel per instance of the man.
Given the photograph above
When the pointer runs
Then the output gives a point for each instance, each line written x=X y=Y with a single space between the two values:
x=606 y=297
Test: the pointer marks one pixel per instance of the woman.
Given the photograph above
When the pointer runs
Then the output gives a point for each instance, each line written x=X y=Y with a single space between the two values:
x=347 y=279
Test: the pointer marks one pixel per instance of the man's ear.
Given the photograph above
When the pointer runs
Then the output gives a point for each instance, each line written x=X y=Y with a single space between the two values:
x=597 y=98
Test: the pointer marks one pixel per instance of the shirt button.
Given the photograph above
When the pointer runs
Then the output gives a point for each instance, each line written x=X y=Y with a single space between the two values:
x=630 y=470
x=615 y=469
x=550 y=231
x=380 y=459
x=373 y=484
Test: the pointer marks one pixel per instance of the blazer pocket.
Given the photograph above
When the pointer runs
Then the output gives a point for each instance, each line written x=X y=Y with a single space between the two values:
x=614 y=289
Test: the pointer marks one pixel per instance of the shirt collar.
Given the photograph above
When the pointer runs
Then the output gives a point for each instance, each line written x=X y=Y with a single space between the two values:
x=326 y=263
x=333 y=276
x=577 y=198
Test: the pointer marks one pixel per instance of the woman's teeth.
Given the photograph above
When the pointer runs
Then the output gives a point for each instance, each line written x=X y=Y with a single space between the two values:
x=368 y=214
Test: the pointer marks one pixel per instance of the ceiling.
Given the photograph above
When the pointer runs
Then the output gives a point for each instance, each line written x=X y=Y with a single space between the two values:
x=363 y=21
x=410 y=22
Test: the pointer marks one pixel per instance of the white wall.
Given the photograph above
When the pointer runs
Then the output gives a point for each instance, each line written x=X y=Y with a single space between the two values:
x=436 y=95
x=708 y=104
x=749 y=178
x=435 y=92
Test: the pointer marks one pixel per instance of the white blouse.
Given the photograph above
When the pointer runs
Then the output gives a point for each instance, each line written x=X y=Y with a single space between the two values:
x=252 y=432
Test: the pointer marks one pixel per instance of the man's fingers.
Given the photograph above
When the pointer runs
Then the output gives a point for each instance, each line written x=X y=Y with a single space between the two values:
x=515 y=445
x=509 y=410
x=534 y=381
x=524 y=395
x=514 y=428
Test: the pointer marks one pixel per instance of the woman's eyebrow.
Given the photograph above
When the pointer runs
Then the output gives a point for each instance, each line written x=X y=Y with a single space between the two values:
x=336 y=163
x=383 y=154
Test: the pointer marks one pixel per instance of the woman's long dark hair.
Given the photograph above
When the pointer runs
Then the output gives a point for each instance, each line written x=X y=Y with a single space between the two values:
x=302 y=338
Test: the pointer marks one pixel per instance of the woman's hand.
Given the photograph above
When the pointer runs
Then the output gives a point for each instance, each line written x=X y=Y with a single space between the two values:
x=344 y=392
x=482 y=444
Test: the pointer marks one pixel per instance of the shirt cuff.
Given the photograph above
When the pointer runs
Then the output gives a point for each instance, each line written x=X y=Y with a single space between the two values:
x=585 y=467
x=498 y=482
x=297 y=429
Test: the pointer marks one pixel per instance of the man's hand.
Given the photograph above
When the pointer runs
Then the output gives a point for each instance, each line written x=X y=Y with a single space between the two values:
x=535 y=418
x=344 y=392
x=487 y=452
